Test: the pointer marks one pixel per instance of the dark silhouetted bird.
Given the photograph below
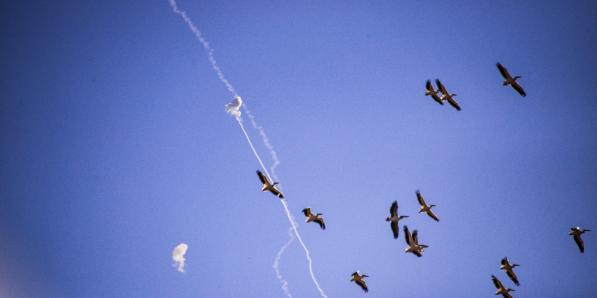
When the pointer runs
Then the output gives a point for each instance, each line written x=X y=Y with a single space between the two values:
x=425 y=208
x=575 y=232
x=359 y=279
x=446 y=95
x=394 y=219
x=500 y=288
x=267 y=186
x=413 y=243
x=510 y=270
x=509 y=80
x=316 y=218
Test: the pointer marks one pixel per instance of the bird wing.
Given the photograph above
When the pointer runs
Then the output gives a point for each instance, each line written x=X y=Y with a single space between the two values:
x=513 y=276
x=432 y=215
x=407 y=235
x=506 y=295
x=579 y=242
x=395 y=229
x=429 y=86
x=362 y=284
x=262 y=178
x=503 y=71
x=518 y=89
x=420 y=199
x=307 y=212
x=394 y=209
x=504 y=261
x=498 y=284
x=320 y=221
x=277 y=193
x=415 y=237
x=441 y=87
x=453 y=102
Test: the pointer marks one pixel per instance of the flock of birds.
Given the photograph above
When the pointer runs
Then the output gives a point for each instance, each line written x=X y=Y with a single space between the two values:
x=440 y=95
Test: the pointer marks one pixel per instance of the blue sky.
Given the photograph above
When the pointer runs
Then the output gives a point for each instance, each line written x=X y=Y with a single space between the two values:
x=115 y=147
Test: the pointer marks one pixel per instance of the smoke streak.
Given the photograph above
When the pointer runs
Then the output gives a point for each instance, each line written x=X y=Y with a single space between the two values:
x=291 y=220
x=205 y=44
x=276 y=264
x=266 y=142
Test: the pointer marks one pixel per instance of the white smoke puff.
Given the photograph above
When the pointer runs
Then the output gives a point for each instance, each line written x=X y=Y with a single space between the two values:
x=178 y=255
x=233 y=108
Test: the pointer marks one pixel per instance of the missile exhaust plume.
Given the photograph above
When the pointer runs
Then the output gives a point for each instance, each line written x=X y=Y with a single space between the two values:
x=234 y=110
x=276 y=264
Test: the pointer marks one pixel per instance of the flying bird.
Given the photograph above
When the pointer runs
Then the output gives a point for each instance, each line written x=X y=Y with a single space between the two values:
x=432 y=92
x=425 y=208
x=267 y=186
x=413 y=243
x=359 y=279
x=509 y=80
x=394 y=219
x=446 y=95
x=316 y=218
x=575 y=232
x=509 y=270
x=500 y=288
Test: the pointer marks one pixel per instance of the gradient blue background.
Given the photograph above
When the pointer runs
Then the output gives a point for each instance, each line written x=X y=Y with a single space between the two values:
x=115 y=146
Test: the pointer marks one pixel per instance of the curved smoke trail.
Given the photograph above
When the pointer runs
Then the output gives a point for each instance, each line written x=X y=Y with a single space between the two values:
x=276 y=264
x=267 y=144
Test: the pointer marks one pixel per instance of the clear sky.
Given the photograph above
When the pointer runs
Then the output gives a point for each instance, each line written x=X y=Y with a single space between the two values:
x=114 y=147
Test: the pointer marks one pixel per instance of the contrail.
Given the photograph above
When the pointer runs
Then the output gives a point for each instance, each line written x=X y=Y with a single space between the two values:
x=265 y=140
x=284 y=203
x=203 y=41
x=276 y=264
x=291 y=220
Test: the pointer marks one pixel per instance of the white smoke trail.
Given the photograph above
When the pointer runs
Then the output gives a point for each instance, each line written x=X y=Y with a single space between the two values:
x=276 y=264
x=293 y=223
x=203 y=41
x=264 y=138
x=266 y=142
x=283 y=201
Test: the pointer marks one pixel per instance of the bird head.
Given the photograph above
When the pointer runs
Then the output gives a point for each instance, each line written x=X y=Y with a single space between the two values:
x=403 y=216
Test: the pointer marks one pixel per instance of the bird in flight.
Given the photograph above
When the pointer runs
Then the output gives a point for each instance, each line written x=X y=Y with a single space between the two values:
x=575 y=232
x=509 y=80
x=413 y=243
x=446 y=95
x=394 y=219
x=432 y=92
x=267 y=186
x=500 y=288
x=318 y=218
x=359 y=279
x=509 y=270
x=425 y=208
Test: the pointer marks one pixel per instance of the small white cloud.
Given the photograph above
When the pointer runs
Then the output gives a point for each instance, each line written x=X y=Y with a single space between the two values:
x=233 y=108
x=178 y=255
